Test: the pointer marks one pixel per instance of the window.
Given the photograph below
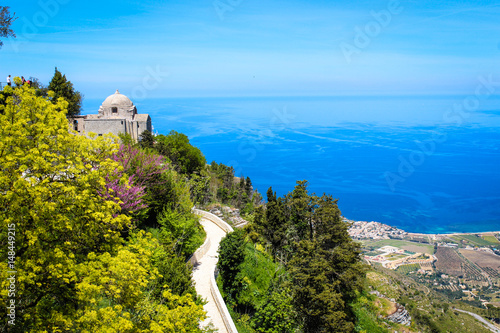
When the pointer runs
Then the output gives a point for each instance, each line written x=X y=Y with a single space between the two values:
x=75 y=125
x=114 y=110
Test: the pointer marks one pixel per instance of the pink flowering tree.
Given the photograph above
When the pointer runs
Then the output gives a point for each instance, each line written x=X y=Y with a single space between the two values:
x=135 y=186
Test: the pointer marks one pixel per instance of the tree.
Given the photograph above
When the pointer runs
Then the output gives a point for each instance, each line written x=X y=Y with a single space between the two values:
x=276 y=314
x=231 y=256
x=6 y=20
x=49 y=183
x=275 y=222
x=326 y=272
x=177 y=148
x=73 y=270
x=147 y=140
x=124 y=292
x=63 y=88
x=248 y=188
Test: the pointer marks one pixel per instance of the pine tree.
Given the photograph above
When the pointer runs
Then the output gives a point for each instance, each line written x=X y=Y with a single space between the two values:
x=6 y=20
x=249 y=188
x=64 y=88
x=275 y=221
x=326 y=271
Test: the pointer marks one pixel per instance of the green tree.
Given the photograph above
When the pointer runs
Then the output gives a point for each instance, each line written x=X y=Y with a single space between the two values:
x=187 y=158
x=147 y=140
x=276 y=314
x=275 y=222
x=231 y=256
x=326 y=272
x=74 y=271
x=49 y=183
x=248 y=188
x=181 y=231
x=6 y=20
x=63 y=88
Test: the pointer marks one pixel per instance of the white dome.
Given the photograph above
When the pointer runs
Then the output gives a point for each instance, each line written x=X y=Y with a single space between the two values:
x=117 y=105
x=117 y=99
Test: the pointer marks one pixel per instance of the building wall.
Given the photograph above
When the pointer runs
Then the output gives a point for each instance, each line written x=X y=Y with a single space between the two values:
x=104 y=126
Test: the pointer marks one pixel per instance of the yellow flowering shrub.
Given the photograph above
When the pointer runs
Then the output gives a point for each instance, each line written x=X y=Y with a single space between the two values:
x=71 y=270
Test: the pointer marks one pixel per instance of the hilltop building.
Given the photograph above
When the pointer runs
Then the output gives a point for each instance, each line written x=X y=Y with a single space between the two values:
x=117 y=114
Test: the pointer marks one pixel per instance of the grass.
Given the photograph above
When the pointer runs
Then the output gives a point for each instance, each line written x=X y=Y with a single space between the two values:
x=259 y=271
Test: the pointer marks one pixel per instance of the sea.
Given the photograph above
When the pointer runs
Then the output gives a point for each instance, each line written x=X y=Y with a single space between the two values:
x=425 y=164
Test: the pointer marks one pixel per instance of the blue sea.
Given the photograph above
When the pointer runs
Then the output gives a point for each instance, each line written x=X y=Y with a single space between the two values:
x=426 y=164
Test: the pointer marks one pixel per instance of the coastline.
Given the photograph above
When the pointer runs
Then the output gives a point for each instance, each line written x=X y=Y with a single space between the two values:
x=454 y=234
x=378 y=230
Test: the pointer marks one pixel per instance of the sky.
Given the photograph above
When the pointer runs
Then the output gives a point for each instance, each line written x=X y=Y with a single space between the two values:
x=152 y=48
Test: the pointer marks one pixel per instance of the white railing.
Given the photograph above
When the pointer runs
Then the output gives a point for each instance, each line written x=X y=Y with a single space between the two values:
x=200 y=252
x=215 y=219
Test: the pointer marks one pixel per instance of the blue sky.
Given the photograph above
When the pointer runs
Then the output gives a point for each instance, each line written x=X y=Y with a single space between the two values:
x=153 y=48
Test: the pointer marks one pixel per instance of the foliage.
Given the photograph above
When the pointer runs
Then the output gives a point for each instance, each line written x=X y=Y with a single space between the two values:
x=173 y=272
x=147 y=140
x=6 y=20
x=145 y=167
x=180 y=231
x=324 y=272
x=63 y=88
x=74 y=271
x=119 y=189
x=114 y=292
x=50 y=181
x=163 y=187
x=366 y=315
x=231 y=257
x=186 y=158
x=276 y=315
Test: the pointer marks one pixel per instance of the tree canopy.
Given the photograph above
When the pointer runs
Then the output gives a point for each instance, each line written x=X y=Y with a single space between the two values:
x=187 y=158
x=64 y=88
x=78 y=262
x=6 y=20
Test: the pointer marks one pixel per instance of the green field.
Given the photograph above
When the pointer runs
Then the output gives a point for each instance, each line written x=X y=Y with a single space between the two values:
x=475 y=240
x=492 y=239
x=405 y=269
x=405 y=245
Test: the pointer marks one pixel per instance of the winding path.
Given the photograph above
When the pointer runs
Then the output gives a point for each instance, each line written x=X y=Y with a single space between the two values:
x=203 y=273
x=491 y=327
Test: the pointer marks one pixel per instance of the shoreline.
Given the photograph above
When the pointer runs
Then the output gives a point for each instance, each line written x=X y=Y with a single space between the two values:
x=453 y=234
x=378 y=230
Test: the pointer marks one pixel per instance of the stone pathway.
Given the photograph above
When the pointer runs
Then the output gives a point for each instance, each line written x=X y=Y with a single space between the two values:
x=202 y=271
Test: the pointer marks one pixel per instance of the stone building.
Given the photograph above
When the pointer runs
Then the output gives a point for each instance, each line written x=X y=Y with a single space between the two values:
x=117 y=114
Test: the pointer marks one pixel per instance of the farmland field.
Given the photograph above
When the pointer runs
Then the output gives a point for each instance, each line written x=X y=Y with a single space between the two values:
x=474 y=240
x=491 y=239
x=484 y=260
x=405 y=245
x=448 y=261
x=405 y=269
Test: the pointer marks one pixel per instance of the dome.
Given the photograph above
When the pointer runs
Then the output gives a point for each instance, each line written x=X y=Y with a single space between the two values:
x=117 y=105
x=117 y=99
